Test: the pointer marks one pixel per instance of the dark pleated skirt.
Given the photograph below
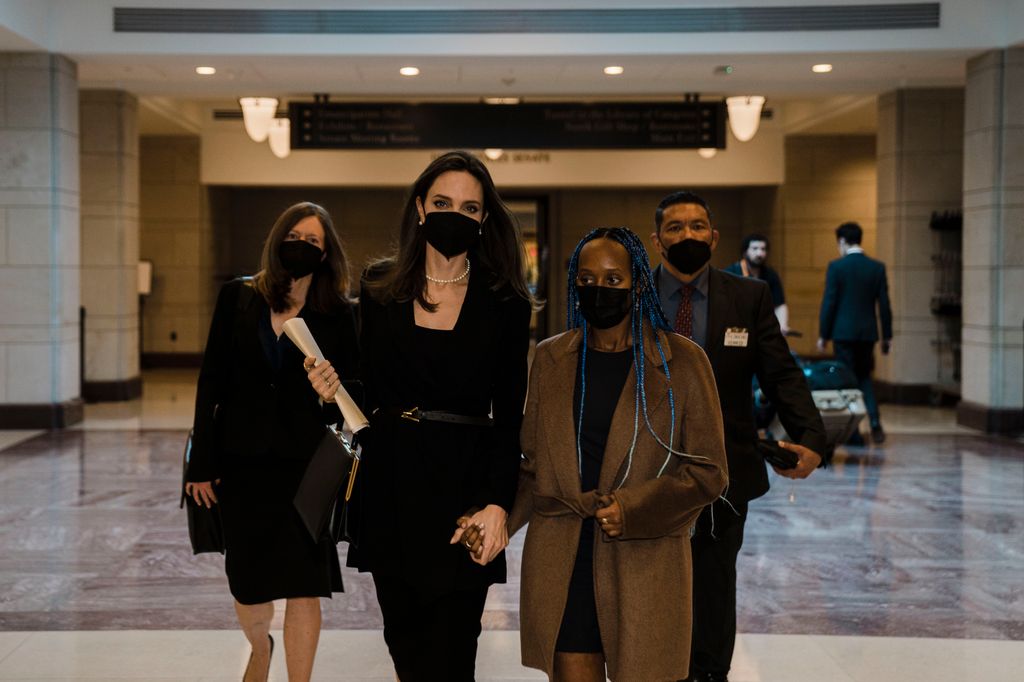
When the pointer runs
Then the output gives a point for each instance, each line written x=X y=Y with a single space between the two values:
x=269 y=553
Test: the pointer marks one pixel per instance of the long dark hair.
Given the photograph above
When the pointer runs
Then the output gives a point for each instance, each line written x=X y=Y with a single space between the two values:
x=330 y=286
x=402 y=276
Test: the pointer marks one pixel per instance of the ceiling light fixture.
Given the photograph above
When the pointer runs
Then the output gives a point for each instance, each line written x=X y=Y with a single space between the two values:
x=205 y=70
x=822 y=68
x=707 y=152
x=494 y=154
x=280 y=137
x=409 y=71
x=501 y=100
x=613 y=70
x=744 y=115
x=257 y=113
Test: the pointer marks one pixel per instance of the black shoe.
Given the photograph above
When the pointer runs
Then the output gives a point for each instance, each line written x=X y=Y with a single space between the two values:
x=855 y=439
x=877 y=435
x=270 y=659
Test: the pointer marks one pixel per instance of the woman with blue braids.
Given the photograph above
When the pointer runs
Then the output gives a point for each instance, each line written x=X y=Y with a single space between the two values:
x=635 y=450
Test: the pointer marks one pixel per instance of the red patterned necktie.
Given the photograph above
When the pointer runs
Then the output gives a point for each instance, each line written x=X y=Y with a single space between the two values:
x=684 y=314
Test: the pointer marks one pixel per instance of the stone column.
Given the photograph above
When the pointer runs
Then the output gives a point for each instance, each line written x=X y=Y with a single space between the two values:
x=920 y=161
x=993 y=274
x=39 y=242
x=110 y=244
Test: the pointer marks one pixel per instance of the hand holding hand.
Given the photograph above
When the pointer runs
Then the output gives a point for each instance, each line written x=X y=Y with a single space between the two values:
x=488 y=534
x=469 y=536
x=323 y=378
x=609 y=516
x=808 y=461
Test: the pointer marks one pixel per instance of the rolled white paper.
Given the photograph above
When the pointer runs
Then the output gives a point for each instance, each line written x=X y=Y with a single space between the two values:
x=300 y=335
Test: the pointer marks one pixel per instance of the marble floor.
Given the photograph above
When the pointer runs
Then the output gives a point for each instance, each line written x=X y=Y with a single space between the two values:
x=901 y=562
x=360 y=656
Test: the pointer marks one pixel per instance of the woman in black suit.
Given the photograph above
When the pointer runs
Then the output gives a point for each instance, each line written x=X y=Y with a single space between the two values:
x=257 y=424
x=445 y=335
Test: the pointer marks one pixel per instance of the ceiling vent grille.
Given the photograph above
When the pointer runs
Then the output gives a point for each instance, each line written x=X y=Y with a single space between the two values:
x=682 y=20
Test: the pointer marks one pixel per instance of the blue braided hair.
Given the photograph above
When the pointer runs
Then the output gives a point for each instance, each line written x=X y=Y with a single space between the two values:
x=645 y=309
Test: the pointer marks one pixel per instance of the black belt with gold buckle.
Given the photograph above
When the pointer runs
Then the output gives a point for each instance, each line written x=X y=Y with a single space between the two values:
x=416 y=415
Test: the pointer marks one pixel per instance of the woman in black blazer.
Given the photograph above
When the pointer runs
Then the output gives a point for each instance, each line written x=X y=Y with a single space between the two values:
x=257 y=424
x=445 y=336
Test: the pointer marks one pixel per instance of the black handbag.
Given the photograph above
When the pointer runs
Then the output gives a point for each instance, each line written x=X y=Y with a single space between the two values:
x=324 y=498
x=777 y=456
x=205 y=528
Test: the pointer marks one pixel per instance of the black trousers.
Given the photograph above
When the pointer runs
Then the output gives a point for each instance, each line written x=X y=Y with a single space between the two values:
x=430 y=641
x=714 y=587
x=860 y=357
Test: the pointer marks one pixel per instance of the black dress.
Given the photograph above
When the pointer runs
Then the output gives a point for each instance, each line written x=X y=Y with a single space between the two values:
x=438 y=470
x=417 y=478
x=257 y=424
x=606 y=374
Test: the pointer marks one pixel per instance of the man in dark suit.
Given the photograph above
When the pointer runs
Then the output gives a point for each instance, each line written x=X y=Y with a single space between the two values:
x=733 y=319
x=854 y=285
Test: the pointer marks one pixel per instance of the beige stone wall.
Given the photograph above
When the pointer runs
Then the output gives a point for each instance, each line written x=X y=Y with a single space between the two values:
x=39 y=229
x=920 y=162
x=177 y=236
x=110 y=233
x=829 y=180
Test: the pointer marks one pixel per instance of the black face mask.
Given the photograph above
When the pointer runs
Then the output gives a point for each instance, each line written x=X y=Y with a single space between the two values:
x=451 y=232
x=299 y=258
x=689 y=255
x=603 y=307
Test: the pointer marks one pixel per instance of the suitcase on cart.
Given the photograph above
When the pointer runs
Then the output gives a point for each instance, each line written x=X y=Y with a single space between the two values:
x=839 y=401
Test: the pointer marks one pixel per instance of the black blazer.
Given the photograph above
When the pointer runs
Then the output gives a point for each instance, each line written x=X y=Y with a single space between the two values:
x=854 y=284
x=743 y=303
x=417 y=478
x=259 y=411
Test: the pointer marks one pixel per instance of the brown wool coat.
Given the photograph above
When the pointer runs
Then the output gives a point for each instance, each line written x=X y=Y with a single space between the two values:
x=643 y=578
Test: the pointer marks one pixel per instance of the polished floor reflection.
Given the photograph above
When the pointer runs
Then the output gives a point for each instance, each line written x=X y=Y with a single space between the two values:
x=921 y=538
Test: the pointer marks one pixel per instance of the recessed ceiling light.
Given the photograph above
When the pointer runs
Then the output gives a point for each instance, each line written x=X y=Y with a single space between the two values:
x=707 y=152
x=821 y=68
x=501 y=100
x=494 y=154
x=613 y=70
x=409 y=71
x=205 y=70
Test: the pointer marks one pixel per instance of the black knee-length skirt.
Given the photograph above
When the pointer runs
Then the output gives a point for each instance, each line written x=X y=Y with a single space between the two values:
x=269 y=554
x=580 y=632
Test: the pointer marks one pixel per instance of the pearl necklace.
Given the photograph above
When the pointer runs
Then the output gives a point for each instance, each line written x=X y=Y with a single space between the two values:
x=453 y=280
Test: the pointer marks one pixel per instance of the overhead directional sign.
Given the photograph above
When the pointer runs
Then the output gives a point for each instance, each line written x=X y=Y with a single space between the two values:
x=626 y=125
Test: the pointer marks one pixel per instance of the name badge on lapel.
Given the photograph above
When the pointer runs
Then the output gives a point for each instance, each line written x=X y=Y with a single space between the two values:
x=736 y=337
